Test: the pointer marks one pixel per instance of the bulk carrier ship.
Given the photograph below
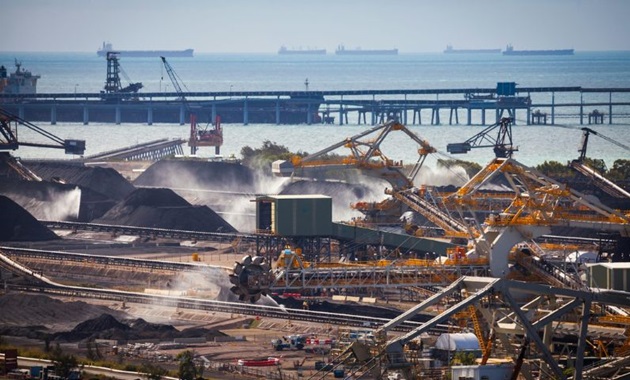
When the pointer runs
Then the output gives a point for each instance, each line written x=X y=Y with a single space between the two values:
x=449 y=50
x=19 y=82
x=341 y=50
x=107 y=47
x=286 y=51
x=509 y=50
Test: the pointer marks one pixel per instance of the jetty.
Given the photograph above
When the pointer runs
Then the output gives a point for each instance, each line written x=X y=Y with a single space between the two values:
x=469 y=106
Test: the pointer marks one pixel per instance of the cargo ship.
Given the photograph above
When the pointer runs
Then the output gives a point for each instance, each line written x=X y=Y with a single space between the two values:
x=449 y=50
x=19 y=82
x=284 y=50
x=107 y=47
x=509 y=50
x=341 y=50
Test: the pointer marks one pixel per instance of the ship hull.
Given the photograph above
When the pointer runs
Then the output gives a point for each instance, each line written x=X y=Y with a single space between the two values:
x=540 y=52
x=367 y=52
x=148 y=53
x=302 y=52
x=472 y=51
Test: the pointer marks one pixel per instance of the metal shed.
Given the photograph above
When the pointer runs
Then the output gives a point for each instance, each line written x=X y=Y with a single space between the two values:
x=294 y=215
x=615 y=276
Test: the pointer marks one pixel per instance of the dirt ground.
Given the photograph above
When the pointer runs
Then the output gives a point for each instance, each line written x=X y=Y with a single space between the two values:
x=252 y=337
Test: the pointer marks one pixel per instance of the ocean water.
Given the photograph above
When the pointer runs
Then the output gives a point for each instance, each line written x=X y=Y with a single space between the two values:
x=86 y=73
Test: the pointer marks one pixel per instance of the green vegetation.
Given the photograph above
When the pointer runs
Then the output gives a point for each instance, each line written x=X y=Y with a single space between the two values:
x=261 y=159
x=187 y=368
x=620 y=171
x=463 y=358
x=64 y=363
x=152 y=371
x=555 y=169
x=93 y=352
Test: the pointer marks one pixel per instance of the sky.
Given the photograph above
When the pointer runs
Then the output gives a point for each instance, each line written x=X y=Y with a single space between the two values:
x=262 y=26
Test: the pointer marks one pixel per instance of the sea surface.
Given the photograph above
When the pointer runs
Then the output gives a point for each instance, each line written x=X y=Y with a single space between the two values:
x=86 y=73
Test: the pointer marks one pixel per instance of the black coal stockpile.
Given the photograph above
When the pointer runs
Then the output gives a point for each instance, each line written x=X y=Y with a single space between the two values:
x=17 y=224
x=108 y=327
x=105 y=181
x=162 y=208
x=41 y=198
x=198 y=175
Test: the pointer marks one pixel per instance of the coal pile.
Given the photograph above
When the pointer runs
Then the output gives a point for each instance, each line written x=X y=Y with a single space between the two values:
x=36 y=316
x=17 y=224
x=198 y=175
x=105 y=181
x=162 y=208
x=56 y=201
x=108 y=327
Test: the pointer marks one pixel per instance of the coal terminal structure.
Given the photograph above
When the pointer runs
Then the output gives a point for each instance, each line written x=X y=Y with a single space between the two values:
x=477 y=105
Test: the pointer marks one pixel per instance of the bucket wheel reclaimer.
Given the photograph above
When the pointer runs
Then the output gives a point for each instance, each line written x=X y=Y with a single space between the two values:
x=251 y=278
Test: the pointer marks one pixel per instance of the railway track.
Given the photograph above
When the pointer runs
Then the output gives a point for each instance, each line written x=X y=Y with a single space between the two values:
x=220 y=306
x=152 y=232
x=40 y=284
x=88 y=259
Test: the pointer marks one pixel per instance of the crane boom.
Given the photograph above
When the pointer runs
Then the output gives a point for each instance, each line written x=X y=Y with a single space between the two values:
x=175 y=81
x=206 y=137
x=584 y=145
x=9 y=137
x=502 y=144
x=365 y=154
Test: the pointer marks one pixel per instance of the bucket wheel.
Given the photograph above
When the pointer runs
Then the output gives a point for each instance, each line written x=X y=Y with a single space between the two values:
x=251 y=278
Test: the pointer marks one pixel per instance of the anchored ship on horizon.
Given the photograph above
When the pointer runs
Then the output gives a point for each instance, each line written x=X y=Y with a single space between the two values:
x=450 y=50
x=107 y=47
x=509 y=50
x=341 y=50
x=284 y=50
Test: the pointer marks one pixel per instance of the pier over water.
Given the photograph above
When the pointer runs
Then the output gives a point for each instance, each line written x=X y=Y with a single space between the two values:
x=469 y=106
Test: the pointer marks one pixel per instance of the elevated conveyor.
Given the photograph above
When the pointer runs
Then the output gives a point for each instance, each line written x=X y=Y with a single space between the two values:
x=452 y=226
x=404 y=242
x=152 y=150
x=602 y=182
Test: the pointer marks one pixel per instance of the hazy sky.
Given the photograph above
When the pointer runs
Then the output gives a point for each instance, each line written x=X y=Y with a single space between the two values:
x=225 y=26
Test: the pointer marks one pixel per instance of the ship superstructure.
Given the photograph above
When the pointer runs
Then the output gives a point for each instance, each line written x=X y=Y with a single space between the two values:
x=19 y=82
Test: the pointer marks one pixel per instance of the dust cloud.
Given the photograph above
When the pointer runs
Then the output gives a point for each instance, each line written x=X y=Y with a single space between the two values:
x=442 y=176
x=55 y=205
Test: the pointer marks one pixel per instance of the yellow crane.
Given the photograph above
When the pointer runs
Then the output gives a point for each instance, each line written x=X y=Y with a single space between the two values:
x=367 y=156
